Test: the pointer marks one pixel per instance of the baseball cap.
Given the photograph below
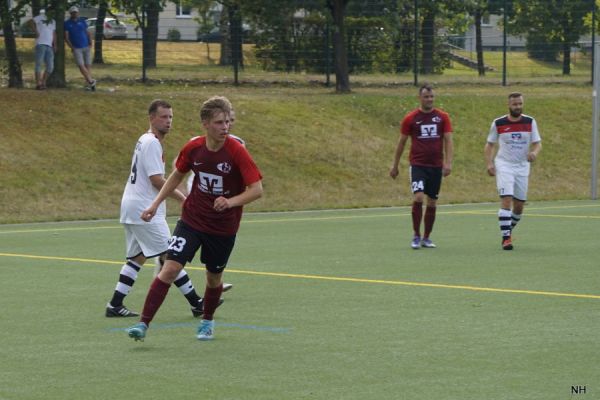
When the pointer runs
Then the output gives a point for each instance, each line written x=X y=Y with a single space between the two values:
x=73 y=9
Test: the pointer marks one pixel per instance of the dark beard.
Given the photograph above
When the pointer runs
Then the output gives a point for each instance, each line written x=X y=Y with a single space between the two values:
x=515 y=114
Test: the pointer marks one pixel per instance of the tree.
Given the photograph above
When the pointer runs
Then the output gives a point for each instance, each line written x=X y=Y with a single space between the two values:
x=342 y=79
x=146 y=13
x=8 y=17
x=551 y=26
x=58 y=77
x=99 y=34
x=205 y=21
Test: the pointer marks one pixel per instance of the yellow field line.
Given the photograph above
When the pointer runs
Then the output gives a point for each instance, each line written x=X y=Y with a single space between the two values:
x=337 y=279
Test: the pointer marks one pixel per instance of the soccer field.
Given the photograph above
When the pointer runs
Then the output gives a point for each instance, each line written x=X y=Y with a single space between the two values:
x=325 y=305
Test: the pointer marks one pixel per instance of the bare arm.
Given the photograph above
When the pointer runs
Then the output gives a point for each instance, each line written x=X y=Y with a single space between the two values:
x=398 y=155
x=158 y=181
x=488 y=151
x=167 y=189
x=252 y=192
x=33 y=26
x=67 y=41
x=448 y=154
x=534 y=151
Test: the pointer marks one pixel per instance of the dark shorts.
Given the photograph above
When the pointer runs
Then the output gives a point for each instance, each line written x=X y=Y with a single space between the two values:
x=186 y=241
x=426 y=179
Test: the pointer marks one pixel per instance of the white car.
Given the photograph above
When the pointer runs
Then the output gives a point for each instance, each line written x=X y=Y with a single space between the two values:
x=113 y=28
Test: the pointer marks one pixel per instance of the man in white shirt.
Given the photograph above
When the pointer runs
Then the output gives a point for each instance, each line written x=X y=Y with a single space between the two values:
x=45 y=47
x=148 y=239
x=519 y=144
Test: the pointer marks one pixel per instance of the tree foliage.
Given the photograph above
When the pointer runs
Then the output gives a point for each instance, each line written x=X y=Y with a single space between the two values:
x=551 y=27
x=146 y=13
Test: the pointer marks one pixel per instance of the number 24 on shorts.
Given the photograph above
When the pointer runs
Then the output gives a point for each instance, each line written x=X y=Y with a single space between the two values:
x=418 y=186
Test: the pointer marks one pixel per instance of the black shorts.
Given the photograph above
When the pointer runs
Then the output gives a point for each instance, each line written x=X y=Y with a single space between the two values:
x=426 y=179
x=186 y=241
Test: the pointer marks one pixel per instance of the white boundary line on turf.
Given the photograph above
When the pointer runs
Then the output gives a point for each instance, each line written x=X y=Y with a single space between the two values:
x=270 y=213
x=334 y=278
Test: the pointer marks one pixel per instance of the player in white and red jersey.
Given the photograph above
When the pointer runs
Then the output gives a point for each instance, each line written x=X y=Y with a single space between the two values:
x=147 y=239
x=519 y=144
x=431 y=153
x=225 y=179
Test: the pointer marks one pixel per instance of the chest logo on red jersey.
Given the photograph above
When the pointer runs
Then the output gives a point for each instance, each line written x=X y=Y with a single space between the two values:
x=428 y=131
x=211 y=184
x=224 y=167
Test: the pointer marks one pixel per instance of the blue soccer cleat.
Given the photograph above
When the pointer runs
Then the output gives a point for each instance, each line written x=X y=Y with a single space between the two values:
x=428 y=244
x=205 y=330
x=416 y=242
x=138 y=331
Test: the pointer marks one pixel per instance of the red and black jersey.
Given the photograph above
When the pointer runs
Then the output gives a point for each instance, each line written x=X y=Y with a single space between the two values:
x=226 y=172
x=426 y=131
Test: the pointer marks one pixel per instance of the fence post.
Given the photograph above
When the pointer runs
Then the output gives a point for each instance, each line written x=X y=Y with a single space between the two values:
x=416 y=45
x=595 y=114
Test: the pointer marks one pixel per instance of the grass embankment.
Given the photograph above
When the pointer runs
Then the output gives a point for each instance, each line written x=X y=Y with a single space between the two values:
x=66 y=154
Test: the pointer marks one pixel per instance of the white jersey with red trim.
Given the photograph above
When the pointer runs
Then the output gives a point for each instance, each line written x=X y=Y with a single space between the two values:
x=514 y=139
x=139 y=192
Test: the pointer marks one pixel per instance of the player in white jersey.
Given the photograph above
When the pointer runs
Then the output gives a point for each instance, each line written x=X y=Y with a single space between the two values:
x=519 y=144
x=147 y=239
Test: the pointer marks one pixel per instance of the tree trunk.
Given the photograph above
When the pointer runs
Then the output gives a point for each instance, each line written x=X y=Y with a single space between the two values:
x=15 y=73
x=236 y=32
x=342 y=79
x=225 y=58
x=150 y=34
x=35 y=7
x=57 y=78
x=478 y=43
x=566 y=70
x=99 y=36
x=427 y=40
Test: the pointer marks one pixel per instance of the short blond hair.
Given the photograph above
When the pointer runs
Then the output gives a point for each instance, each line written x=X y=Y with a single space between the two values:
x=213 y=106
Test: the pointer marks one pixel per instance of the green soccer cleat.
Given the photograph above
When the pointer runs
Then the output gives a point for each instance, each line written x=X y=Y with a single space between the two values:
x=138 y=331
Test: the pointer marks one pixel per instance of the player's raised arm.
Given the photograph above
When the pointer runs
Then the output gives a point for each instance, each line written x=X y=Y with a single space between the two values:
x=252 y=192
x=170 y=185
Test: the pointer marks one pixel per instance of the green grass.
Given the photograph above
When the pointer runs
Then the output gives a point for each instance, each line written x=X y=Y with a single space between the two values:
x=68 y=152
x=326 y=305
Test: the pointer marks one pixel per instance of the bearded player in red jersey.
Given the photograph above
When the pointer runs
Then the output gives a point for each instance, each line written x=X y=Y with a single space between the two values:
x=226 y=178
x=431 y=153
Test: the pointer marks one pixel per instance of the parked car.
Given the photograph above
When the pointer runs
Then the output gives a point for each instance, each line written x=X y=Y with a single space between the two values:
x=113 y=28
x=26 y=29
x=215 y=35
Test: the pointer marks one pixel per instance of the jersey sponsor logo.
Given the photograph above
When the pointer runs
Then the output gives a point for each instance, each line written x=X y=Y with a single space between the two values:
x=211 y=184
x=428 y=131
x=516 y=136
x=224 y=167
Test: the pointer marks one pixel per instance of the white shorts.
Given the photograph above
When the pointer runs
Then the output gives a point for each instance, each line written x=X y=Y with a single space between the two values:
x=512 y=182
x=148 y=239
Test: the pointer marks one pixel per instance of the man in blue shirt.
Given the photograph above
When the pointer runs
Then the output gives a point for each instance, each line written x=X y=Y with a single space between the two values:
x=79 y=40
